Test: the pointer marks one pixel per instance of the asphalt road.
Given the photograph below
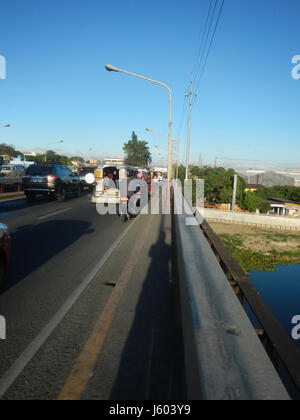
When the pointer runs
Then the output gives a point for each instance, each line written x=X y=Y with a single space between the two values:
x=56 y=249
x=90 y=305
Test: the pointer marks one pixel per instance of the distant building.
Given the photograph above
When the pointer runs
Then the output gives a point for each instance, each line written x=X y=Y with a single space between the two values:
x=253 y=187
x=283 y=207
x=32 y=154
x=113 y=161
x=162 y=170
x=267 y=179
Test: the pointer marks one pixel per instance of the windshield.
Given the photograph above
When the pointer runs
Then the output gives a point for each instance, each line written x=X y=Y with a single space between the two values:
x=84 y=171
x=39 y=170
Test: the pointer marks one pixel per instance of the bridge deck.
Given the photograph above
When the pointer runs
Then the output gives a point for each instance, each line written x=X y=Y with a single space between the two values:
x=135 y=350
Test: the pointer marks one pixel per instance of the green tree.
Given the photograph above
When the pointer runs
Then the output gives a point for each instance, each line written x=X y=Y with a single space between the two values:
x=137 y=152
x=218 y=183
x=252 y=202
x=9 y=150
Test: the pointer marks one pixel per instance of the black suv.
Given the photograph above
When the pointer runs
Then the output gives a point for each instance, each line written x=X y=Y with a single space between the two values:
x=50 y=179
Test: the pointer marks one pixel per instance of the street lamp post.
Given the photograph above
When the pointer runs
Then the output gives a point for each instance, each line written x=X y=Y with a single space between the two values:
x=51 y=144
x=177 y=141
x=113 y=68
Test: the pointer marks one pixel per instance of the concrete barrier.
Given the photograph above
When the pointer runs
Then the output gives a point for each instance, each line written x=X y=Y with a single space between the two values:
x=260 y=220
x=224 y=359
x=15 y=182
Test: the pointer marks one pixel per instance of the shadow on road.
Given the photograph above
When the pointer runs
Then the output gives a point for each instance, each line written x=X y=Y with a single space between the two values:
x=151 y=366
x=14 y=205
x=34 y=245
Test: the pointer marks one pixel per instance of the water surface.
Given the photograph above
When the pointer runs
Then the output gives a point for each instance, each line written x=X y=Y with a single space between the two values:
x=281 y=291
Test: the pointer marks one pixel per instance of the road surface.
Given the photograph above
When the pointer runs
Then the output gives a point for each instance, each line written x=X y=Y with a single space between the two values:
x=67 y=260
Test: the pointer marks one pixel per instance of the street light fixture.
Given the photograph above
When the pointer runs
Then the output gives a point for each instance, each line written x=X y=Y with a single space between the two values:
x=5 y=126
x=51 y=144
x=109 y=67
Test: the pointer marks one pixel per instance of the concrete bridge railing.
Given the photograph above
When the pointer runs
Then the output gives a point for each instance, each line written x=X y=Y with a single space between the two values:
x=224 y=358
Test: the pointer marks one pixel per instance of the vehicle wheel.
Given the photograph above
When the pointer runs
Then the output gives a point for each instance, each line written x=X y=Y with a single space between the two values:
x=63 y=194
x=30 y=196
x=2 y=270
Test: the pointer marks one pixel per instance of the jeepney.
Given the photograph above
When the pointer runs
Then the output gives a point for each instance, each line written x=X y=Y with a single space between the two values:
x=106 y=182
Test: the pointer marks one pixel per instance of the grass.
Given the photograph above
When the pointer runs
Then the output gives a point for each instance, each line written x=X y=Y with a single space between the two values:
x=254 y=260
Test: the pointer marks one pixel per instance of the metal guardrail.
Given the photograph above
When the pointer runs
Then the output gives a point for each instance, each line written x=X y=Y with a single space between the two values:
x=279 y=345
x=4 y=181
x=224 y=358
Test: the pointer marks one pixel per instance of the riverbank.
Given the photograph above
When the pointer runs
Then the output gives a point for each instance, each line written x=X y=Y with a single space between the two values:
x=257 y=248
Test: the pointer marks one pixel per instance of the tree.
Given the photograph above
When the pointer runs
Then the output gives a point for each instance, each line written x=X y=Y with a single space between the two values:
x=137 y=152
x=253 y=202
x=218 y=183
x=9 y=150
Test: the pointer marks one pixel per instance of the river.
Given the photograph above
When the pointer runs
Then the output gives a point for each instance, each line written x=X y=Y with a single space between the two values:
x=280 y=289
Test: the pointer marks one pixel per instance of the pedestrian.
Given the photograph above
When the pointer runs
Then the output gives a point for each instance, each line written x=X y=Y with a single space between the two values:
x=148 y=179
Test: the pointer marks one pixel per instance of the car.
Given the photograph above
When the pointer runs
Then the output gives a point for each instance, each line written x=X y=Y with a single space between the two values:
x=50 y=179
x=12 y=170
x=82 y=172
x=5 y=252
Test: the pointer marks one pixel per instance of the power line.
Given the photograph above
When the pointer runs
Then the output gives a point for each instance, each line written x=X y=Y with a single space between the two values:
x=197 y=57
x=204 y=32
x=207 y=33
x=211 y=43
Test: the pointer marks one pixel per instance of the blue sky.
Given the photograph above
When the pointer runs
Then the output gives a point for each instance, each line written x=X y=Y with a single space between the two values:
x=247 y=108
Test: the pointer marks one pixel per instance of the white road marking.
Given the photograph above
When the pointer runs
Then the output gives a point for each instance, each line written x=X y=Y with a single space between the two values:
x=54 y=213
x=19 y=365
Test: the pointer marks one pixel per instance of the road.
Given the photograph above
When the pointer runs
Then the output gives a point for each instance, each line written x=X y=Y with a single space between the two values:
x=67 y=260
x=54 y=247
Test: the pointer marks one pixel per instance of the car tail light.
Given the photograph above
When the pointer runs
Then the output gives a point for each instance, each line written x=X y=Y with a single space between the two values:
x=51 y=177
x=25 y=176
x=124 y=198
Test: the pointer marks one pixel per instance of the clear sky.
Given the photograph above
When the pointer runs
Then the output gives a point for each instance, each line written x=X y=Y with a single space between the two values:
x=247 y=106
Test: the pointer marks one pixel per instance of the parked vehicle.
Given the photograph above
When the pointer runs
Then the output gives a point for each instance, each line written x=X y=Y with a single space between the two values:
x=12 y=170
x=52 y=180
x=5 y=251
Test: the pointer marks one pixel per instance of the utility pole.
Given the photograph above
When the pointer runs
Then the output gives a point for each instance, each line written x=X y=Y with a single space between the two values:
x=234 y=192
x=189 y=130
x=178 y=156
x=200 y=161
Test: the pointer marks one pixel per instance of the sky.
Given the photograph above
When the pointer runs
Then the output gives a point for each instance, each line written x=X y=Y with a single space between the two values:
x=246 y=113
